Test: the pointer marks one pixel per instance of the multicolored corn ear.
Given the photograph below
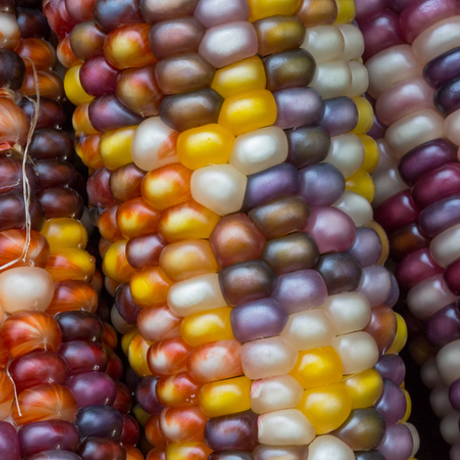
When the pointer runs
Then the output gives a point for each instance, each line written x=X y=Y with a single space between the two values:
x=412 y=56
x=58 y=368
x=231 y=186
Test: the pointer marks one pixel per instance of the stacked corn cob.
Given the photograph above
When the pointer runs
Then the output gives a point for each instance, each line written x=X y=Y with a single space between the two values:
x=413 y=50
x=253 y=277
x=58 y=365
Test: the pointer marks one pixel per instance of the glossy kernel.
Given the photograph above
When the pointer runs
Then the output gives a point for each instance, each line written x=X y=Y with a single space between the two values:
x=7 y=395
x=53 y=434
x=111 y=15
x=211 y=13
x=149 y=287
x=297 y=251
x=186 y=451
x=25 y=288
x=73 y=89
x=358 y=351
x=246 y=281
x=154 y=144
x=289 y=69
x=361 y=182
x=382 y=327
x=264 y=8
x=86 y=40
x=208 y=326
x=279 y=33
x=125 y=183
x=15 y=130
x=184 y=72
x=178 y=390
x=153 y=12
x=64 y=232
x=197 y=294
x=270 y=184
x=128 y=46
x=259 y=319
x=285 y=427
x=219 y=188
x=236 y=239
x=45 y=402
x=245 y=75
x=98 y=77
x=174 y=36
x=166 y=186
x=318 y=367
x=225 y=397
x=326 y=407
x=186 y=259
x=204 y=146
x=248 y=111
x=49 y=84
x=168 y=357
x=71 y=264
x=158 y=323
x=107 y=113
x=183 y=424
x=275 y=393
x=259 y=150
x=317 y=12
x=281 y=216
x=191 y=109
x=138 y=89
x=82 y=356
x=37 y=367
x=137 y=218
x=371 y=153
x=187 y=220
x=364 y=388
x=115 y=264
x=348 y=312
x=73 y=295
x=11 y=33
x=40 y=52
x=144 y=250
x=267 y=358
x=232 y=432
x=153 y=433
x=215 y=361
x=88 y=150
x=365 y=115
x=401 y=335
x=228 y=43
x=115 y=147
x=310 y=329
x=370 y=426
x=346 y=11
x=137 y=356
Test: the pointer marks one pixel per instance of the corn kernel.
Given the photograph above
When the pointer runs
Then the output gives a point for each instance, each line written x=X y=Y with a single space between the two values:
x=248 y=111
x=225 y=397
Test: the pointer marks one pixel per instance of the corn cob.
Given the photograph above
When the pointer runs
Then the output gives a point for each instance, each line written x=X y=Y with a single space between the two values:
x=413 y=71
x=58 y=365
x=217 y=247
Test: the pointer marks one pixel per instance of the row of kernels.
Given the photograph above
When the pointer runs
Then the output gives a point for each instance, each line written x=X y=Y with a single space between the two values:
x=408 y=105
x=49 y=274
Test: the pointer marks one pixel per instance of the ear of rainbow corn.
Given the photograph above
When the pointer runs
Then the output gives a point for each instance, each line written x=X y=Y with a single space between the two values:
x=58 y=365
x=232 y=188
x=413 y=72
